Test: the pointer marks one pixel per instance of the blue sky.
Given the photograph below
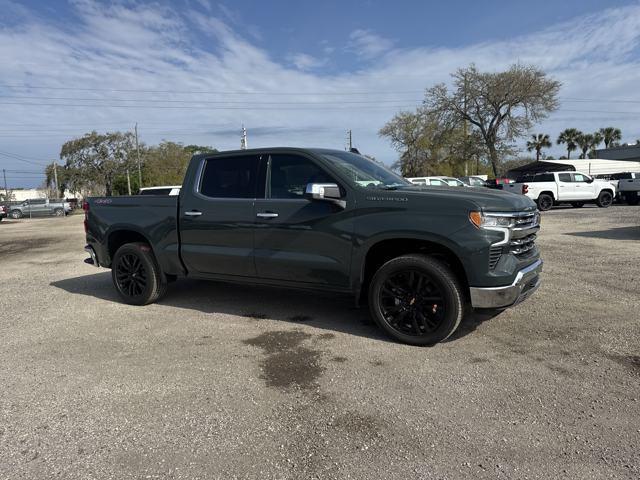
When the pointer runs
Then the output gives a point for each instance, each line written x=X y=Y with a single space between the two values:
x=295 y=73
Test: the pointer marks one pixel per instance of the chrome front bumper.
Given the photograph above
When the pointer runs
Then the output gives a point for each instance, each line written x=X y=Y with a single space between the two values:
x=526 y=282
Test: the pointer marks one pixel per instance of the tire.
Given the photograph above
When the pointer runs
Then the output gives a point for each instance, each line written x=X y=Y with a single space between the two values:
x=416 y=300
x=136 y=275
x=577 y=204
x=632 y=198
x=58 y=212
x=605 y=199
x=545 y=202
x=15 y=214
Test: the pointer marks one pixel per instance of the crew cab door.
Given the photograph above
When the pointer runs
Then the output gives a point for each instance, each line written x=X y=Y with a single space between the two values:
x=584 y=189
x=217 y=217
x=566 y=188
x=297 y=239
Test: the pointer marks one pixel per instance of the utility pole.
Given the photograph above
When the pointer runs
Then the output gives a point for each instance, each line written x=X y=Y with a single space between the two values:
x=128 y=182
x=350 y=139
x=55 y=177
x=6 y=190
x=464 y=129
x=243 y=139
x=138 y=157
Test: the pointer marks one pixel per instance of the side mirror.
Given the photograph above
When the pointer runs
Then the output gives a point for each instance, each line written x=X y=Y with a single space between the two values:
x=589 y=180
x=329 y=192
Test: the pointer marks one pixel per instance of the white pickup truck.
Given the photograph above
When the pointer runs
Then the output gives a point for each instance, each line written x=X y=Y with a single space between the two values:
x=629 y=187
x=551 y=188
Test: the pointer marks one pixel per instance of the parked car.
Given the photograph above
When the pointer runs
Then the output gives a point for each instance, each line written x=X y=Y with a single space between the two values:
x=628 y=187
x=3 y=212
x=552 y=188
x=39 y=207
x=473 y=181
x=330 y=220
x=165 y=190
x=437 y=181
x=497 y=183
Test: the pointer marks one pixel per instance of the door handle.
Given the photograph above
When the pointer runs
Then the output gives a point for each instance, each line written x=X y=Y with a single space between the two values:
x=193 y=213
x=267 y=215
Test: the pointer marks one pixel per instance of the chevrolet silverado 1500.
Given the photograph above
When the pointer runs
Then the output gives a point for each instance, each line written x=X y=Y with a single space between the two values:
x=325 y=219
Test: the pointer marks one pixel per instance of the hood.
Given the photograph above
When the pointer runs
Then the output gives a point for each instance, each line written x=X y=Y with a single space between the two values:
x=485 y=199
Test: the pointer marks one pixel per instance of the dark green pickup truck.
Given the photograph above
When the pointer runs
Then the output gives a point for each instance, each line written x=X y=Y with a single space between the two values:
x=325 y=219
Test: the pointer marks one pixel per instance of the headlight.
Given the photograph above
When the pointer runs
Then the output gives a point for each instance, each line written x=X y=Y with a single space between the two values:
x=488 y=220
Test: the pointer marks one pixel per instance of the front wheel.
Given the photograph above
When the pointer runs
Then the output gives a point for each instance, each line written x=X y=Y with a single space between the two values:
x=15 y=214
x=58 y=212
x=604 y=199
x=136 y=274
x=545 y=202
x=416 y=299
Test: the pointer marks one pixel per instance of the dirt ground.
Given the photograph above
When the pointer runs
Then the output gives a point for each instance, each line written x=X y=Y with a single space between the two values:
x=222 y=382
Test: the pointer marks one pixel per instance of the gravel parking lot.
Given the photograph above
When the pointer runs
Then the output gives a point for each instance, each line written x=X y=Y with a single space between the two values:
x=220 y=381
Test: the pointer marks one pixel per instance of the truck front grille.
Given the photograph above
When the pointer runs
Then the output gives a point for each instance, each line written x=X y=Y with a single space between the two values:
x=520 y=246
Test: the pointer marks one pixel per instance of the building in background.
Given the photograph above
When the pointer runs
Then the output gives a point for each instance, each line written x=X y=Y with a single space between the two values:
x=621 y=152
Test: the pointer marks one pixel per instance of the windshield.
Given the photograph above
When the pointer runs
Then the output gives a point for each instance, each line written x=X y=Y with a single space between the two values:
x=364 y=172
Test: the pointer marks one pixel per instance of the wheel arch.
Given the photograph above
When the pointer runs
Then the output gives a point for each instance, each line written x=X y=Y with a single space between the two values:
x=383 y=250
x=118 y=237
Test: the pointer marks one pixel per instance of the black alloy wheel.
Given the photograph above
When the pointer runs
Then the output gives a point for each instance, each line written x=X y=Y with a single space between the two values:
x=545 y=202
x=416 y=299
x=136 y=274
x=131 y=276
x=605 y=199
x=412 y=303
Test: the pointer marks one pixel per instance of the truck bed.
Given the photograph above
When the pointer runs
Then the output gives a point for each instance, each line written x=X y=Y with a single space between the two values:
x=154 y=217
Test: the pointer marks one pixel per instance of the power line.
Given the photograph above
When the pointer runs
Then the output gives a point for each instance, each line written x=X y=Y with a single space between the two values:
x=184 y=107
x=214 y=92
x=208 y=102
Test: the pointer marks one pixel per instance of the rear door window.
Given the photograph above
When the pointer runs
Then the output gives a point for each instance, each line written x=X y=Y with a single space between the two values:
x=230 y=177
x=564 y=177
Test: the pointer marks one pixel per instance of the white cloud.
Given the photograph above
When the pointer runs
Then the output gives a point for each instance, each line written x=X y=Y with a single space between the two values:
x=157 y=49
x=368 y=44
x=303 y=61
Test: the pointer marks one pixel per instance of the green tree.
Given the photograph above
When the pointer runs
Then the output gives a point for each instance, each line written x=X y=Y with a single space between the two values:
x=569 y=137
x=537 y=143
x=195 y=149
x=429 y=145
x=611 y=136
x=165 y=164
x=94 y=160
x=500 y=106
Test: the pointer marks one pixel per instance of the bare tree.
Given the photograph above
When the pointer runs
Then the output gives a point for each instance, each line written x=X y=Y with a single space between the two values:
x=501 y=106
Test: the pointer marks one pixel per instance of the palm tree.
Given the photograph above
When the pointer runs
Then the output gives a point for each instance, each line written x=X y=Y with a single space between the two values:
x=596 y=140
x=588 y=143
x=569 y=136
x=537 y=143
x=611 y=136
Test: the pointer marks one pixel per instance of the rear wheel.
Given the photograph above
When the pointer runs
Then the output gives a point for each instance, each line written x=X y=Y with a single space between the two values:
x=15 y=214
x=58 y=212
x=577 y=204
x=632 y=198
x=604 y=199
x=136 y=274
x=416 y=299
x=545 y=202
